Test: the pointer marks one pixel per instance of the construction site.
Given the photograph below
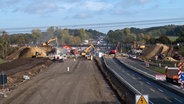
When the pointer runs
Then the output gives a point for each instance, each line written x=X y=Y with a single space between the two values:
x=160 y=52
x=29 y=61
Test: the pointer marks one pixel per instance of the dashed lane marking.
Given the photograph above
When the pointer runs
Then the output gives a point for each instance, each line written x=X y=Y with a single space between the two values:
x=152 y=90
x=148 y=83
x=178 y=100
x=133 y=78
x=168 y=99
x=160 y=90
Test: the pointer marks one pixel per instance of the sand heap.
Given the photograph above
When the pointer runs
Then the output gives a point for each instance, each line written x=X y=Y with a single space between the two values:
x=154 y=50
x=29 y=52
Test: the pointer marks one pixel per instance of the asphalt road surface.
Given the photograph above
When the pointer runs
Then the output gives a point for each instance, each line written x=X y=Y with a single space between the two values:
x=70 y=82
x=156 y=93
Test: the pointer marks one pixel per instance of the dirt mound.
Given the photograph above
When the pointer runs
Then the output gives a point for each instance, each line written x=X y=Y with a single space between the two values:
x=30 y=51
x=165 y=49
x=27 y=52
x=15 y=54
x=170 y=52
x=169 y=59
x=153 y=50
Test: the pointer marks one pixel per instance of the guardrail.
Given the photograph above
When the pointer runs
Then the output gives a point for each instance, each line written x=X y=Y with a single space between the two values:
x=152 y=78
x=126 y=91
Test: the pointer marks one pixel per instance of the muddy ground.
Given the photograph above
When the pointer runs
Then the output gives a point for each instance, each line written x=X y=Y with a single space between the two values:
x=16 y=69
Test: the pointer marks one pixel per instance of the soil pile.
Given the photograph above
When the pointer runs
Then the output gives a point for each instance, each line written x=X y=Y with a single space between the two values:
x=15 y=54
x=154 y=50
x=29 y=52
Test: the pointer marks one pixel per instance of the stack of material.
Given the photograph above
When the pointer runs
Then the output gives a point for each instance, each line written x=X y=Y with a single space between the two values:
x=154 y=50
x=165 y=49
x=31 y=51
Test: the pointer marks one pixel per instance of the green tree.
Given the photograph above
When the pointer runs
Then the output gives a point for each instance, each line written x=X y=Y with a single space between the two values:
x=65 y=37
x=21 y=40
x=83 y=34
x=4 y=44
x=164 y=39
x=36 y=33
x=51 y=32
x=181 y=35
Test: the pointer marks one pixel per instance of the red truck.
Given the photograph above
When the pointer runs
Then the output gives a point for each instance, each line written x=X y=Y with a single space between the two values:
x=114 y=51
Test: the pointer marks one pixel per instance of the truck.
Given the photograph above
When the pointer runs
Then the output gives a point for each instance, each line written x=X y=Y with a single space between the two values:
x=172 y=74
x=114 y=51
x=59 y=56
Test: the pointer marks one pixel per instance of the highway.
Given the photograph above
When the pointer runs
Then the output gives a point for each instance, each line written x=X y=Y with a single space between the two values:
x=156 y=93
x=150 y=73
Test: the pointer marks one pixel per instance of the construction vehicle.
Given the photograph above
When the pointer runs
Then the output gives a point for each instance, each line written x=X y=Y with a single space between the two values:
x=59 y=56
x=172 y=74
x=89 y=56
x=88 y=52
x=139 y=46
x=67 y=47
x=142 y=47
x=36 y=54
x=49 y=41
x=74 y=52
x=114 y=51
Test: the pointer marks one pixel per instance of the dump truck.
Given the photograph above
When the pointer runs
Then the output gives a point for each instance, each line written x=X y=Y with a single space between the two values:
x=172 y=74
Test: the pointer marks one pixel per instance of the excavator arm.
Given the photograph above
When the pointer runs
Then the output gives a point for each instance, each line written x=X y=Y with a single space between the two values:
x=50 y=40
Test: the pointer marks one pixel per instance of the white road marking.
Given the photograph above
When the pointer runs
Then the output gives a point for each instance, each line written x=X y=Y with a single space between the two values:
x=139 y=78
x=178 y=100
x=133 y=78
x=148 y=83
x=176 y=86
x=160 y=90
x=152 y=90
x=168 y=99
x=151 y=102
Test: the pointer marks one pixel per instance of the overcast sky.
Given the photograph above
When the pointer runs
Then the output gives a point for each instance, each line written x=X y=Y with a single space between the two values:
x=38 y=13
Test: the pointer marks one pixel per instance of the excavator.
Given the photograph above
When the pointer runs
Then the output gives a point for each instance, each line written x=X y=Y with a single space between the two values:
x=49 y=41
x=88 y=52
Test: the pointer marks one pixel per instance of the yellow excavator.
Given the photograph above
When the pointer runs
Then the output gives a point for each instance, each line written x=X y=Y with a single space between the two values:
x=87 y=52
x=48 y=42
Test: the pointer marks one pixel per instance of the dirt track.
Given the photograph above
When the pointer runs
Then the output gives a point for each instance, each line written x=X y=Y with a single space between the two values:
x=19 y=67
x=82 y=84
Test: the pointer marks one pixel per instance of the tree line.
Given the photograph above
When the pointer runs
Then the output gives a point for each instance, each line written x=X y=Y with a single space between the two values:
x=148 y=35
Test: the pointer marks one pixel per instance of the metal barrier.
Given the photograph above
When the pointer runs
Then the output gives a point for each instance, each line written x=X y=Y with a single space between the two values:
x=126 y=91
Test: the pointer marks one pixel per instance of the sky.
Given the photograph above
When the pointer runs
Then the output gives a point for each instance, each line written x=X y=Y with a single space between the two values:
x=39 y=13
